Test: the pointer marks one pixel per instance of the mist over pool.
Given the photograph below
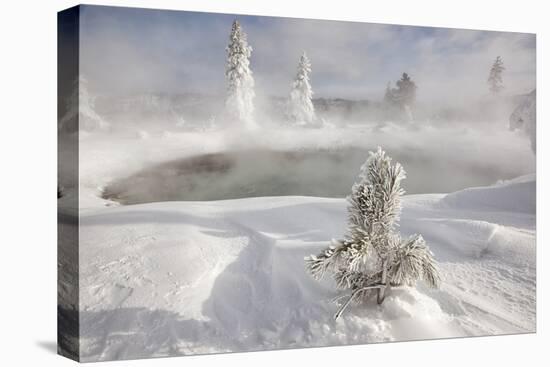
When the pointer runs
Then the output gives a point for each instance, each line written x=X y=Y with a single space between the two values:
x=322 y=173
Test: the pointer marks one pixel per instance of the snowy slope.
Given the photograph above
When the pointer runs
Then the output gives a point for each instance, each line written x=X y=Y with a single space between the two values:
x=199 y=277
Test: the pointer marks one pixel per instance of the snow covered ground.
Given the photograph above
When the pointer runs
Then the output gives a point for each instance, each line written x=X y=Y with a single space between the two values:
x=183 y=277
x=175 y=278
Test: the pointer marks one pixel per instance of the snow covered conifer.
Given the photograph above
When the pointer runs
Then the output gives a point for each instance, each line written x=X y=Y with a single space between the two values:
x=495 y=76
x=406 y=90
x=300 y=107
x=401 y=99
x=373 y=257
x=240 y=83
x=389 y=98
x=524 y=118
x=80 y=110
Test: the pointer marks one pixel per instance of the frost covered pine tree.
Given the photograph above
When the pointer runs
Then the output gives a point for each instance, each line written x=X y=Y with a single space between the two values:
x=300 y=108
x=80 y=110
x=240 y=83
x=406 y=90
x=524 y=118
x=373 y=257
x=402 y=97
x=495 y=77
x=389 y=98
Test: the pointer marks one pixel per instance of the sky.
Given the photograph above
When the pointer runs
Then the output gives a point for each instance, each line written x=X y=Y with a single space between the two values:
x=129 y=51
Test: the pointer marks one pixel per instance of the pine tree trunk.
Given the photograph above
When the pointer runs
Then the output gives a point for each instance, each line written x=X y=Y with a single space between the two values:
x=382 y=291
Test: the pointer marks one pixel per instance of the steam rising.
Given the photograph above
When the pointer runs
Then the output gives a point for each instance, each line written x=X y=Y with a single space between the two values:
x=157 y=78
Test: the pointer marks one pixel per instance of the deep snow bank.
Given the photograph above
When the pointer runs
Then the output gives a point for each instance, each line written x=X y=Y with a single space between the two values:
x=197 y=277
x=517 y=195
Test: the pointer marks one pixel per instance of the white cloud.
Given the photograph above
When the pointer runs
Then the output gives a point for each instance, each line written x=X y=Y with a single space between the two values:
x=136 y=51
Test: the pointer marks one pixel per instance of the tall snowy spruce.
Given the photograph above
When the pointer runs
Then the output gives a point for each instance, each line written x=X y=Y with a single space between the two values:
x=300 y=108
x=240 y=83
x=495 y=82
x=373 y=257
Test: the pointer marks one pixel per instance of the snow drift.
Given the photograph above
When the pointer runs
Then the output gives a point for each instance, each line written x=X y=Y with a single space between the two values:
x=200 y=277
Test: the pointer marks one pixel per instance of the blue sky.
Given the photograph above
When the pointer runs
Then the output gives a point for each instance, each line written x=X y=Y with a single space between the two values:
x=126 y=50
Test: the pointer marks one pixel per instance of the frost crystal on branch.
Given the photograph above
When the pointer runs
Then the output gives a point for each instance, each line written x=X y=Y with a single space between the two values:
x=300 y=108
x=373 y=257
x=240 y=83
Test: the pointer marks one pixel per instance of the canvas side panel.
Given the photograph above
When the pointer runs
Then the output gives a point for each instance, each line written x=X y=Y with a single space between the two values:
x=67 y=186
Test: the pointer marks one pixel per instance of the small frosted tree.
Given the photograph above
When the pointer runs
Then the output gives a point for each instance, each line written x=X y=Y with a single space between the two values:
x=240 y=83
x=300 y=108
x=373 y=257
x=495 y=76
